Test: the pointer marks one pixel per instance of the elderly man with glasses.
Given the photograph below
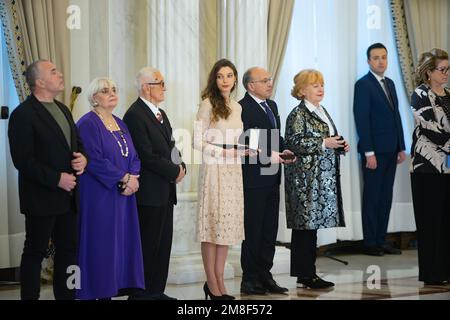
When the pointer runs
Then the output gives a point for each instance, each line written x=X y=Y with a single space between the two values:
x=161 y=170
x=261 y=184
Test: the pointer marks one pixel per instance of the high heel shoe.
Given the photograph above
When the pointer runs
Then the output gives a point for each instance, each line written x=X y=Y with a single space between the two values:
x=208 y=293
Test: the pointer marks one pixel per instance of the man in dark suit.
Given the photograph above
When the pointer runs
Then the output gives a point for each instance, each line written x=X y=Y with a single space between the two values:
x=262 y=178
x=381 y=145
x=161 y=169
x=47 y=152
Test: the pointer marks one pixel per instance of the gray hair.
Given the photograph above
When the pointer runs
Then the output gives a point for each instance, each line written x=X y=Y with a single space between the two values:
x=144 y=75
x=98 y=84
x=247 y=78
x=32 y=73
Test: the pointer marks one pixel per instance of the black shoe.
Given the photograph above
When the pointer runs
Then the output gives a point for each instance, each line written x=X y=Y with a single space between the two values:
x=145 y=296
x=210 y=295
x=252 y=288
x=314 y=282
x=273 y=287
x=388 y=249
x=373 y=251
x=435 y=283
x=165 y=297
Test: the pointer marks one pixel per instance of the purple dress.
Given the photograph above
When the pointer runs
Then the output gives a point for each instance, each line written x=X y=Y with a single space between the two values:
x=110 y=254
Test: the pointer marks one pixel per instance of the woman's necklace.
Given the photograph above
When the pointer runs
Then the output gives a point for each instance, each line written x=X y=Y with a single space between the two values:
x=115 y=127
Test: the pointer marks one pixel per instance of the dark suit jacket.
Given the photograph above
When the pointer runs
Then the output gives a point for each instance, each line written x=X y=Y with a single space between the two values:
x=40 y=153
x=155 y=147
x=379 y=126
x=254 y=117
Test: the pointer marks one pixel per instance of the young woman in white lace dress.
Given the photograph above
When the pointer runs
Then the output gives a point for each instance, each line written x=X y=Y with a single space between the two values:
x=220 y=195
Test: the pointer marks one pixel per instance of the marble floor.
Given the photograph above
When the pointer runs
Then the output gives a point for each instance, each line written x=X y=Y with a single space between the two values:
x=364 y=278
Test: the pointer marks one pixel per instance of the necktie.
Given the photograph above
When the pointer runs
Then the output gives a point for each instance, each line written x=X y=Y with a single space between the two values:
x=269 y=113
x=388 y=93
x=159 y=117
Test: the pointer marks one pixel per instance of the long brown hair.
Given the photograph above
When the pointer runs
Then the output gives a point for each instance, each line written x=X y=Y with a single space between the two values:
x=220 y=109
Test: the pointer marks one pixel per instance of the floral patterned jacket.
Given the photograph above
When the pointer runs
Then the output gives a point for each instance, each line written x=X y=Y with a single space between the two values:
x=312 y=184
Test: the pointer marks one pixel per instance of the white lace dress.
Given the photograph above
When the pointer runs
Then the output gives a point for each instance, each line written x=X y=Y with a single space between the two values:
x=220 y=194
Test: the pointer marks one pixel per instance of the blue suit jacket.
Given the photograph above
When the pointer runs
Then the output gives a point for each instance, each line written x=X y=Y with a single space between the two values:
x=378 y=125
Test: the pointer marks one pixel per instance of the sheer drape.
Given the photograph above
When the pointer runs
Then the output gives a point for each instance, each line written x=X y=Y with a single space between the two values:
x=332 y=36
x=12 y=228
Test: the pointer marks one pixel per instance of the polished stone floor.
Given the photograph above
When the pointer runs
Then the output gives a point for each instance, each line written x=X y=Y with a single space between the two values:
x=364 y=278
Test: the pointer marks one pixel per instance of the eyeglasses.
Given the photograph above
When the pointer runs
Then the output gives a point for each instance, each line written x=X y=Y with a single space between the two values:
x=108 y=91
x=443 y=70
x=161 y=83
x=265 y=81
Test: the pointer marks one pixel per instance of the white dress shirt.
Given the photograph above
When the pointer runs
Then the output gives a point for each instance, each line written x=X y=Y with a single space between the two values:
x=322 y=115
x=380 y=81
x=153 y=108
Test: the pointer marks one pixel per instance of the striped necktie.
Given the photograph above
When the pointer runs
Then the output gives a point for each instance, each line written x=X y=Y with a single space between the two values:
x=269 y=114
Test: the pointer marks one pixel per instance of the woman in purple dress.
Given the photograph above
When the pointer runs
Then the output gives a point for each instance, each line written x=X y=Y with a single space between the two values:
x=110 y=255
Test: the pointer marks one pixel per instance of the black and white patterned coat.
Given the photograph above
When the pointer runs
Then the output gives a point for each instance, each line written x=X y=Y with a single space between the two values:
x=431 y=137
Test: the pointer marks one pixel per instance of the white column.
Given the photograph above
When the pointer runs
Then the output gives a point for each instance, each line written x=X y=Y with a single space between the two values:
x=173 y=47
x=127 y=48
x=243 y=34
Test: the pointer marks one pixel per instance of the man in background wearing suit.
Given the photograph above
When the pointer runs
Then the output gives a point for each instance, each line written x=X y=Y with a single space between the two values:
x=161 y=169
x=381 y=145
x=261 y=185
x=47 y=152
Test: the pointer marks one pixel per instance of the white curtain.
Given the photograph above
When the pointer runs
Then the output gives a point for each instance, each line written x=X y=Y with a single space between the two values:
x=428 y=25
x=12 y=230
x=332 y=36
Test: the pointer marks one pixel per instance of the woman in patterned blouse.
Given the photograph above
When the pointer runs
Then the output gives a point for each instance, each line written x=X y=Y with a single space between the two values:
x=313 y=193
x=430 y=171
